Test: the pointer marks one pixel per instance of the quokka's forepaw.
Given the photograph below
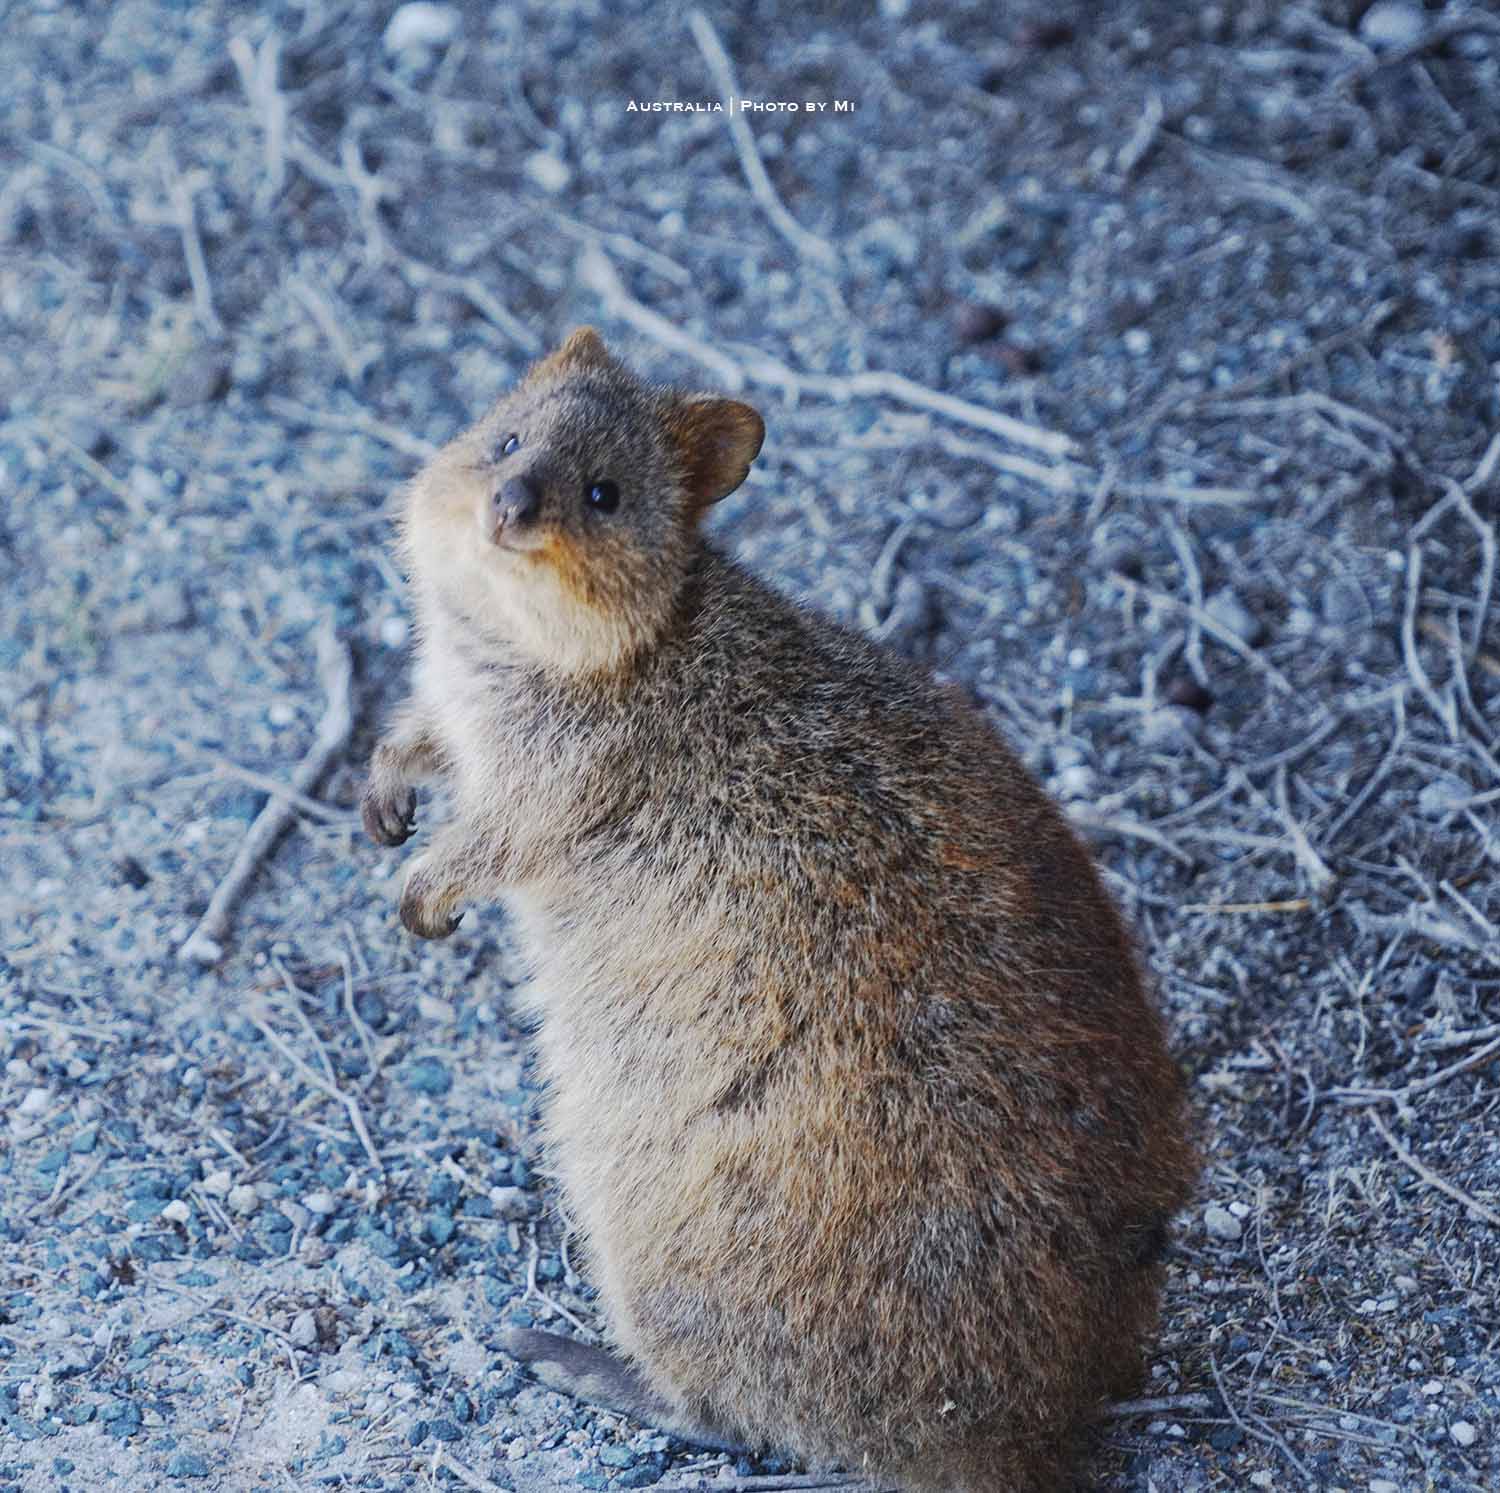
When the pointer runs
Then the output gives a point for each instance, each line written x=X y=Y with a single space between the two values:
x=389 y=817
x=427 y=910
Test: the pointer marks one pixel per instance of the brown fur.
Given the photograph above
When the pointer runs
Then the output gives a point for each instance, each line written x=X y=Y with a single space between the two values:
x=853 y=1089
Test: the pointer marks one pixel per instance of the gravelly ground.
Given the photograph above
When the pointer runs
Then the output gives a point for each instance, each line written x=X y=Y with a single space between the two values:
x=254 y=262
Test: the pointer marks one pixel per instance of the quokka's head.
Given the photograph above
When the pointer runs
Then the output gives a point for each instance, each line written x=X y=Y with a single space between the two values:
x=565 y=520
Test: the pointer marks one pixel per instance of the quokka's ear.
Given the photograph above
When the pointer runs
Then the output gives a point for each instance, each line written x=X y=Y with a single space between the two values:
x=583 y=348
x=715 y=440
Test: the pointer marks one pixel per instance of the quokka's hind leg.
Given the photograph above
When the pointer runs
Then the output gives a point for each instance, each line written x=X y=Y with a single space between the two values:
x=598 y=1376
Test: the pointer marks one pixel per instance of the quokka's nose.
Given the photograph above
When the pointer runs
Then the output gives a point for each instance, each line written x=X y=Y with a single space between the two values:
x=518 y=501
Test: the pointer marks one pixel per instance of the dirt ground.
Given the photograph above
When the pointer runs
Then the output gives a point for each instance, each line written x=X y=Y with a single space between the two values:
x=1136 y=365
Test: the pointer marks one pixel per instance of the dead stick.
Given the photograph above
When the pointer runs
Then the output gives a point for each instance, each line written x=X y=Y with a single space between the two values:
x=1431 y=1178
x=332 y=1090
x=808 y=245
x=466 y=1475
x=596 y=271
x=1156 y=1405
x=336 y=670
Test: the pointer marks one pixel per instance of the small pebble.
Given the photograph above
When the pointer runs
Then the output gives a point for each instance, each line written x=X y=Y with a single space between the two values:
x=1444 y=794
x=1463 y=1433
x=1344 y=604
x=1233 y=616
x=549 y=172
x=304 y=1330
x=434 y=1007
x=35 y=1103
x=177 y=1211
x=1075 y=782
x=1389 y=24
x=321 y=1203
x=1183 y=689
x=510 y=1203
x=1263 y=1479
x=1221 y=1223
x=299 y=1216
x=421 y=25
x=1044 y=35
x=428 y=1076
x=976 y=322
x=218 y=1182
x=1170 y=726
x=244 y=1199
x=1020 y=361
x=1383 y=1485
x=200 y=378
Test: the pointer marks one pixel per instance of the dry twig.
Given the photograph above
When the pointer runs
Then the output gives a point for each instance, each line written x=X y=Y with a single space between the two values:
x=808 y=245
x=257 y=67
x=324 y=1085
x=1210 y=625
x=1477 y=1210
x=1266 y=1432
x=181 y=189
x=596 y=272
x=466 y=1475
x=336 y=671
x=1444 y=710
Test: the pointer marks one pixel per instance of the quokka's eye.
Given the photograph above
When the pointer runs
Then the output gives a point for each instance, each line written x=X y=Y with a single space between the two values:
x=604 y=497
x=512 y=445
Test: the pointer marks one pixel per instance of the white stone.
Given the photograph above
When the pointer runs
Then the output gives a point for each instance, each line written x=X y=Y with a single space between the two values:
x=218 y=1182
x=243 y=1199
x=1463 y=1433
x=1221 y=1223
x=434 y=1007
x=1383 y=1485
x=304 y=1330
x=510 y=1202
x=1391 y=24
x=321 y=1203
x=299 y=1216
x=393 y=632
x=35 y=1102
x=177 y=1211
x=548 y=171
x=421 y=25
x=1232 y=615
x=1075 y=782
